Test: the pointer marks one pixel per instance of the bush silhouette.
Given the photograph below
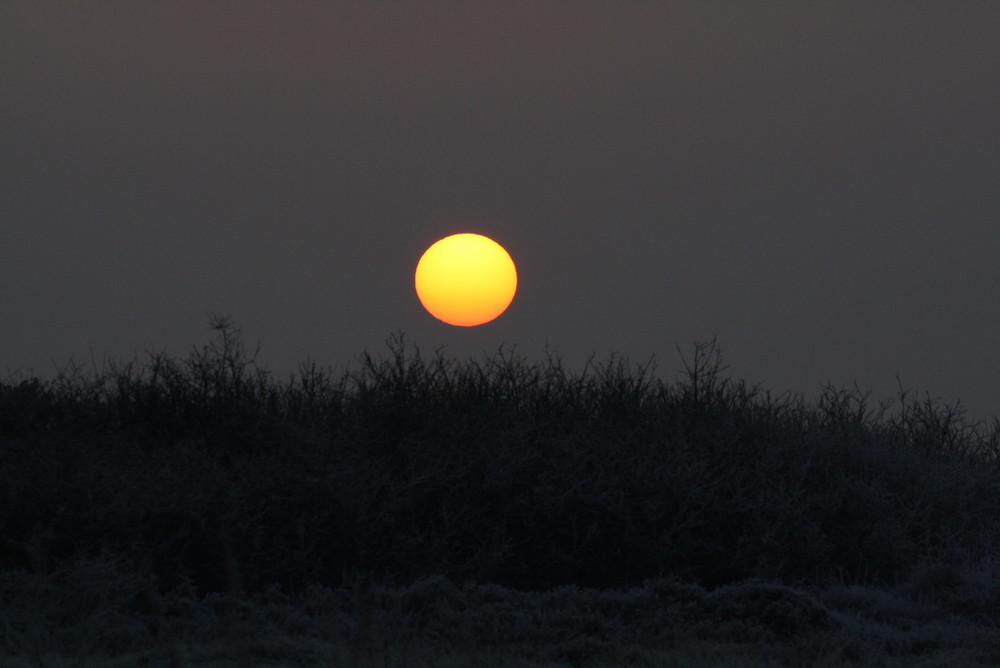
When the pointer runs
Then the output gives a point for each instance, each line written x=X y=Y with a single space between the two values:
x=209 y=471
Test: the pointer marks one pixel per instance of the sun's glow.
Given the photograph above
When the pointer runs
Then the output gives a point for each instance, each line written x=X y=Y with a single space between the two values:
x=466 y=280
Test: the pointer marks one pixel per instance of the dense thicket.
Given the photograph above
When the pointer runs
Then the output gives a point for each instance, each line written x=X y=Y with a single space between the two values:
x=495 y=470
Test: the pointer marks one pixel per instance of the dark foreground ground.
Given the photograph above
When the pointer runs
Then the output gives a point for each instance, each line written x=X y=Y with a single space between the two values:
x=422 y=512
x=94 y=621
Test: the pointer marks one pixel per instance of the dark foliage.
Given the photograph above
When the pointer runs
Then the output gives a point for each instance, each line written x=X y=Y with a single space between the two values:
x=208 y=470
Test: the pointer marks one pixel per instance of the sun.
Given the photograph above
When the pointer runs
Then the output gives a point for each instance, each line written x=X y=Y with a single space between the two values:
x=466 y=280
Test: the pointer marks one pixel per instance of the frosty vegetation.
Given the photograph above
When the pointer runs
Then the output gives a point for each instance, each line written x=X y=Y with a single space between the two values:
x=209 y=483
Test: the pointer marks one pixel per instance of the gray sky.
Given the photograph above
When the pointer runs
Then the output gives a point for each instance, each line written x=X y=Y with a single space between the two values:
x=815 y=183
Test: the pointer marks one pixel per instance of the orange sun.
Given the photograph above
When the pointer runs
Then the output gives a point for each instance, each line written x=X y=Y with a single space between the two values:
x=466 y=280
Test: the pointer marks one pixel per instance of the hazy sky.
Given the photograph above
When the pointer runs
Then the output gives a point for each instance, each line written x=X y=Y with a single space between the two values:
x=815 y=183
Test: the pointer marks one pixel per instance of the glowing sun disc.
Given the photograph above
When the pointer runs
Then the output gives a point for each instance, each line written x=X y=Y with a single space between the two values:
x=466 y=280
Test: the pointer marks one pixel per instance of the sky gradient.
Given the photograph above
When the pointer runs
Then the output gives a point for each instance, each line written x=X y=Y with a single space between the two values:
x=816 y=184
